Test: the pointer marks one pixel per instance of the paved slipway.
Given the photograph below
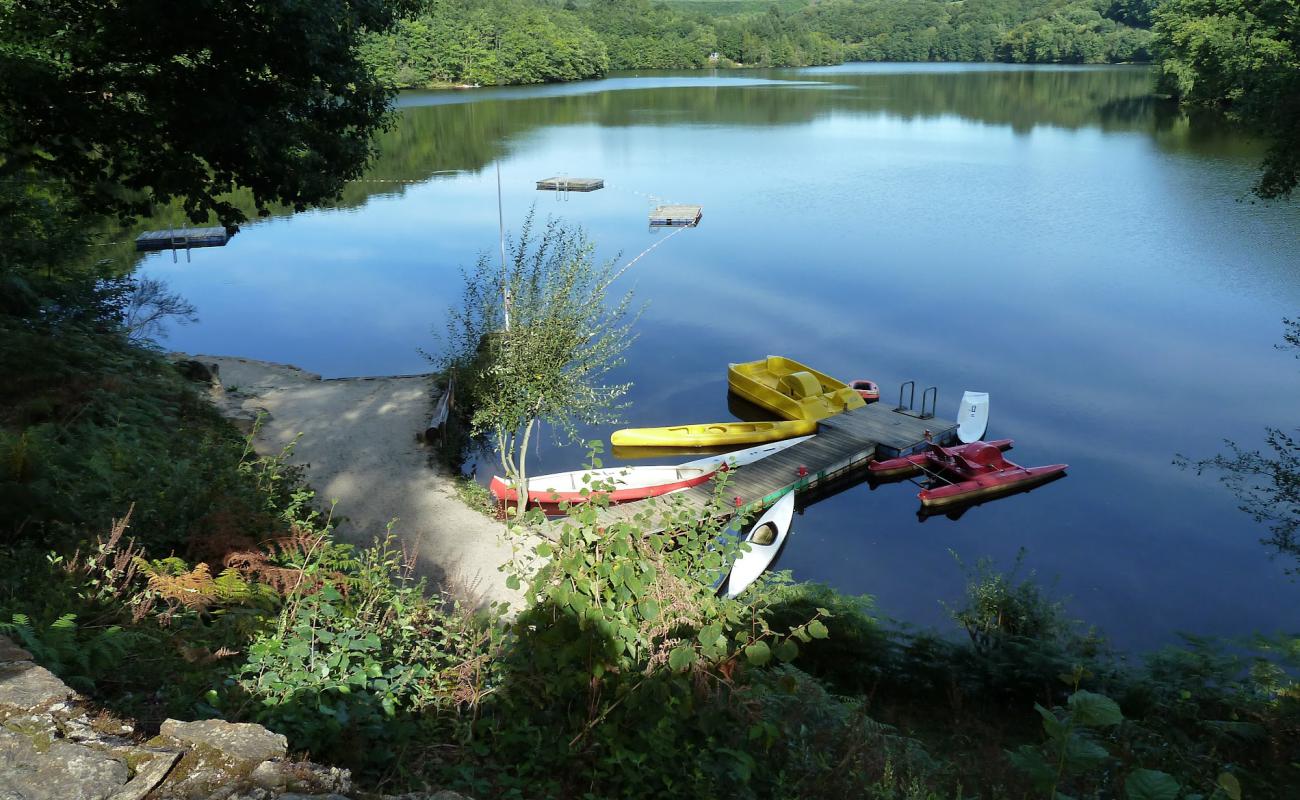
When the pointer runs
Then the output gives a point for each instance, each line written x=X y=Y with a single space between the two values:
x=357 y=439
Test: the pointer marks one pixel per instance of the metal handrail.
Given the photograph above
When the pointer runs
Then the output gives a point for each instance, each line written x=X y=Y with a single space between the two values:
x=911 y=400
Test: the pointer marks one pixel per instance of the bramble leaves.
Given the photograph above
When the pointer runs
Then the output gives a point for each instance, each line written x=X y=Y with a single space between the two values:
x=1150 y=784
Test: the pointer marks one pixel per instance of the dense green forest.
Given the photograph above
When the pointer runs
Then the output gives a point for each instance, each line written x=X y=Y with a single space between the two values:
x=533 y=41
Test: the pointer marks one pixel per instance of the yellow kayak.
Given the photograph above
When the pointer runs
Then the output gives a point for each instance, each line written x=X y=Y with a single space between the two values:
x=713 y=434
x=791 y=389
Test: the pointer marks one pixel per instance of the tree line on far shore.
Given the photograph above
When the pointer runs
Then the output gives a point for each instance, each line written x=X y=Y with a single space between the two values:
x=535 y=41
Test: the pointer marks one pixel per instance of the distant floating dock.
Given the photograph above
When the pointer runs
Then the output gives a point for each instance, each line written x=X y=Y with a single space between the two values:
x=676 y=216
x=181 y=239
x=571 y=184
x=843 y=445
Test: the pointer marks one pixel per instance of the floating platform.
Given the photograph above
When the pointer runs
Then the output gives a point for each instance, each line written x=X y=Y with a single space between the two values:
x=676 y=216
x=182 y=239
x=843 y=445
x=571 y=184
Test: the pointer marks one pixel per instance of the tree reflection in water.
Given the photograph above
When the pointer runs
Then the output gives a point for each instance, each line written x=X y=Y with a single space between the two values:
x=1266 y=483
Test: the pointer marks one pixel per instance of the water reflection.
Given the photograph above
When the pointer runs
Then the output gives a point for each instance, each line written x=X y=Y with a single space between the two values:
x=1266 y=482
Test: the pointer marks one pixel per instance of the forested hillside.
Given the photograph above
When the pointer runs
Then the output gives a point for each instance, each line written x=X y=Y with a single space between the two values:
x=534 y=41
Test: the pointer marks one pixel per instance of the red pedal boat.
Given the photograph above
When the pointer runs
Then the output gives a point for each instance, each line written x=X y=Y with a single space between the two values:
x=972 y=471
x=926 y=459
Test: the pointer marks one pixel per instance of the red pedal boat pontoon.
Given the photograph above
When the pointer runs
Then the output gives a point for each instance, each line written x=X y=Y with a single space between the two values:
x=971 y=471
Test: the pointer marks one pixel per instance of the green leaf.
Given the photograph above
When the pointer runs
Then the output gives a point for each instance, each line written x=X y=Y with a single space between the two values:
x=758 y=653
x=817 y=629
x=1150 y=784
x=681 y=658
x=649 y=610
x=1095 y=710
x=787 y=650
x=1230 y=785
x=544 y=550
x=512 y=583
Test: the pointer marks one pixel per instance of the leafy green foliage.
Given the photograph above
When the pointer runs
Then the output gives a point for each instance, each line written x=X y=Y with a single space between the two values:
x=1243 y=57
x=269 y=96
x=533 y=340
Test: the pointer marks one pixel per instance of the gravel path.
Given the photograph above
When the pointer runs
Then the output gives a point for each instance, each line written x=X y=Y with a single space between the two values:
x=358 y=444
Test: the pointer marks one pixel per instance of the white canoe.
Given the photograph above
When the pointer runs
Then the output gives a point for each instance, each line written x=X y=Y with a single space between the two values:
x=740 y=458
x=764 y=539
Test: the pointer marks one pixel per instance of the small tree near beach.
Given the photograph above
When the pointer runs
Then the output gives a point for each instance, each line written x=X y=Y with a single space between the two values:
x=534 y=339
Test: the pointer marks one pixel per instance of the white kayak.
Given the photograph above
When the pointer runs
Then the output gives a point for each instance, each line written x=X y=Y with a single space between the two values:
x=739 y=458
x=764 y=539
x=973 y=416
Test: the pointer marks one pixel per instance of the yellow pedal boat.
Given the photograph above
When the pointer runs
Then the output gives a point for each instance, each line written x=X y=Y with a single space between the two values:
x=713 y=434
x=792 y=390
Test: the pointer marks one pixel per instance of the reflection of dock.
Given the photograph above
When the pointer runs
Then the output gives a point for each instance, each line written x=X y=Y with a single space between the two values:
x=561 y=184
x=844 y=444
x=676 y=216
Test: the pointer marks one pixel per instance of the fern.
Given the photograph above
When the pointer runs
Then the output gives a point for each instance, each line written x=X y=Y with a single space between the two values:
x=77 y=655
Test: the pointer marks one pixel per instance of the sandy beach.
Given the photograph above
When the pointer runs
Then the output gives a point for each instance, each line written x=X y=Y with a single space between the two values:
x=357 y=440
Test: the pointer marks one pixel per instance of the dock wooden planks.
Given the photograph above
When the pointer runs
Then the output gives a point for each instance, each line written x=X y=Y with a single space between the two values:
x=676 y=216
x=844 y=444
x=560 y=184
x=181 y=238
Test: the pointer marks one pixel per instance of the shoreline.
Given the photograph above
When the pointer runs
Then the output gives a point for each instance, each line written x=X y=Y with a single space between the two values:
x=357 y=441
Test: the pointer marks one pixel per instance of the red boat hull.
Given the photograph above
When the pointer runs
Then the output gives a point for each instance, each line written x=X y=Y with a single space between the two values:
x=1011 y=479
x=867 y=390
x=910 y=465
x=503 y=492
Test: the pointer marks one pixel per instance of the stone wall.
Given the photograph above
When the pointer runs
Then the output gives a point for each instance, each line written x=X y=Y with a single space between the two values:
x=55 y=746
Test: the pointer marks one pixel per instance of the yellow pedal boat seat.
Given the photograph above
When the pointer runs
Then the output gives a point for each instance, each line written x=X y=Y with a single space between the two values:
x=800 y=385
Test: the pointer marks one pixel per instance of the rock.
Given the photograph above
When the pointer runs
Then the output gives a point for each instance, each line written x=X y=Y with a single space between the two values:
x=147 y=777
x=26 y=686
x=199 y=371
x=12 y=652
x=268 y=776
x=64 y=771
x=240 y=741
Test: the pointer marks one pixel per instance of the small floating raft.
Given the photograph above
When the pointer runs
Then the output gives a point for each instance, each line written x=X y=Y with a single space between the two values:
x=181 y=239
x=676 y=216
x=560 y=184
x=712 y=434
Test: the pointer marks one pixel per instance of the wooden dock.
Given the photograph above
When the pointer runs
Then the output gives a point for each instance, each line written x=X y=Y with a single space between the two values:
x=181 y=239
x=676 y=216
x=844 y=444
x=560 y=184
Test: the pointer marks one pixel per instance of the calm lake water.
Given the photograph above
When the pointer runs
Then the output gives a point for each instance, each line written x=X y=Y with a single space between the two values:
x=1053 y=236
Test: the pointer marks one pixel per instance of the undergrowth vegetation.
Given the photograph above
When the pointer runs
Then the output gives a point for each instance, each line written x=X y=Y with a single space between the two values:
x=159 y=565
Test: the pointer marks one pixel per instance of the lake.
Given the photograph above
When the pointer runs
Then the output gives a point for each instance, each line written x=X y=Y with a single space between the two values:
x=1054 y=236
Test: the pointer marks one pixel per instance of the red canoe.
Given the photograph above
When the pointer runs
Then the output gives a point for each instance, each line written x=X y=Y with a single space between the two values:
x=619 y=484
x=929 y=458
